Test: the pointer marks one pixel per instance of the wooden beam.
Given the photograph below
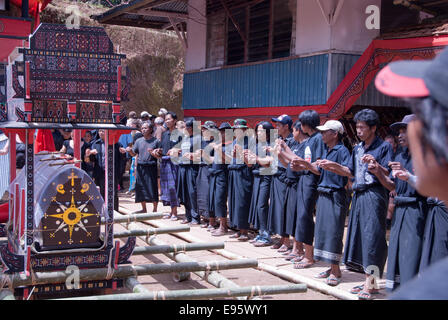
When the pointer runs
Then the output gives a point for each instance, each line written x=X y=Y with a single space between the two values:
x=246 y=42
x=434 y=3
x=271 y=29
x=182 y=40
x=233 y=21
x=164 y=14
x=409 y=5
x=136 y=4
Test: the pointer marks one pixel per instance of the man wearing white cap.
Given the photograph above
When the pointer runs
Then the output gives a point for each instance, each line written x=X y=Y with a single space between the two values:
x=332 y=203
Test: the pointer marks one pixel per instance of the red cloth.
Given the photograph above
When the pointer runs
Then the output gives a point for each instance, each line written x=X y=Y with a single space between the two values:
x=4 y=212
x=44 y=141
x=34 y=10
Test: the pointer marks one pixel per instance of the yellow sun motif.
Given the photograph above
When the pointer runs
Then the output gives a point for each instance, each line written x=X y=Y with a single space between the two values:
x=71 y=217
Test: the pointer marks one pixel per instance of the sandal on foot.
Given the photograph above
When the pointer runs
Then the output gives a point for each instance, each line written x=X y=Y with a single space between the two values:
x=287 y=253
x=235 y=235
x=204 y=225
x=262 y=244
x=303 y=264
x=219 y=233
x=276 y=245
x=243 y=237
x=166 y=216
x=333 y=280
x=184 y=221
x=323 y=275
x=365 y=295
x=291 y=256
x=211 y=227
x=174 y=218
x=357 y=289
x=297 y=259
x=283 y=248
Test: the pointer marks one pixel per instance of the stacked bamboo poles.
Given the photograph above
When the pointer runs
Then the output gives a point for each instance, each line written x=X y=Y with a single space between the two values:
x=201 y=293
x=121 y=272
x=213 y=278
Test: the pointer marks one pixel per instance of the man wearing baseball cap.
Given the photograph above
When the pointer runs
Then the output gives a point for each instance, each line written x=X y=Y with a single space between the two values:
x=366 y=243
x=277 y=208
x=408 y=223
x=424 y=84
x=332 y=203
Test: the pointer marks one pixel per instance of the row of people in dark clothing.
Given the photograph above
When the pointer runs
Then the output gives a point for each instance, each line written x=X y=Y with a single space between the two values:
x=278 y=185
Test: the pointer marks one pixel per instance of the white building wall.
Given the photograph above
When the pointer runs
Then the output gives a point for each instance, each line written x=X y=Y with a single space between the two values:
x=345 y=32
x=195 y=57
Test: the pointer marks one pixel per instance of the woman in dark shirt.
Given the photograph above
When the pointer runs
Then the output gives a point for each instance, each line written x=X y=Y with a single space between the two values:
x=262 y=171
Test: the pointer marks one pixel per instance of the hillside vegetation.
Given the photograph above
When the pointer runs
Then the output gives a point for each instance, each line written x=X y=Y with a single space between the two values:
x=155 y=59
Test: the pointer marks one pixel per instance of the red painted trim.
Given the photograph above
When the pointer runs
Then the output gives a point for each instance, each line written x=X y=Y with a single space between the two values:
x=27 y=80
x=22 y=214
x=117 y=254
x=28 y=261
x=12 y=156
x=25 y=293
x=77 y=146
x=119 y=83
x=15 y=27
x=376 y=51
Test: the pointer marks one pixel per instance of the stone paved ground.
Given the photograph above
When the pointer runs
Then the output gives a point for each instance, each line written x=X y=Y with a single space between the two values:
x=267 y=259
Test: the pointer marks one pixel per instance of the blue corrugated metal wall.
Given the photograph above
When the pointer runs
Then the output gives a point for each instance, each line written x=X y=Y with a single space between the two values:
x=301 y=81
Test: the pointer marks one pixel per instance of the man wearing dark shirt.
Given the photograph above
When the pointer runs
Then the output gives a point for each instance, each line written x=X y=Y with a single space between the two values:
x=366 y=248
x=168 y=170
x=148 y=150
x=332 y=204
x=408 y=223
x=277 y=208
x=307 y=188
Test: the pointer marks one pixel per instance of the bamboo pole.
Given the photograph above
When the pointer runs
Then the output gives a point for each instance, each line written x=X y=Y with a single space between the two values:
x=213 y=278
x=6 y=294
x=283 y=274
x=119 y=218
x=125 y=272
x=201 y=293
x=150 y=231
x=177 y=248
x=135 y=286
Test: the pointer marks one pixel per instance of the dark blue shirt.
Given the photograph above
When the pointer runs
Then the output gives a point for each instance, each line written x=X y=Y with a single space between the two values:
x=219 y=160
x=316 y=146
x=339 y=154
x=382 y=151
x=299 y=150
x=246 y=143
x=169 y=140
x=403 y=188
x=289 y=140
